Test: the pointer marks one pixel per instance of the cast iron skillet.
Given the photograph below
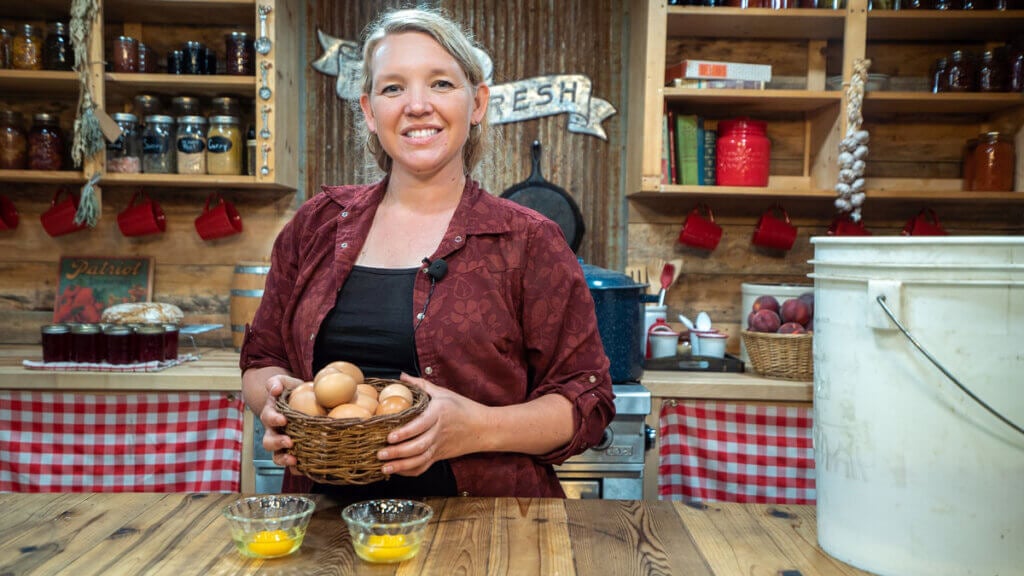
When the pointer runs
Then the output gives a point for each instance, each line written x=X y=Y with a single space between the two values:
x=552 y=201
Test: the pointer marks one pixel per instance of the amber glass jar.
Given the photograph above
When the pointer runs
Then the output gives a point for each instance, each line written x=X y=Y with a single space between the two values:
x=57 y=53
x=27 y=49
x=125 y=57
x=960 y=74
x=45 y=143
x=13 y=141
x=991 y=73
x=994 y=160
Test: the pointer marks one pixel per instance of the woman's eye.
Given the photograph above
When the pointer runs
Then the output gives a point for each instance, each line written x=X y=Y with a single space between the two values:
x=443 y=84
x=391 y=89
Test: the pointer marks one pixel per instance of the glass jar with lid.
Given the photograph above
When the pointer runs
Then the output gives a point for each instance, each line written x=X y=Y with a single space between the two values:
x=225 y=106
x=994 y=160
x=191 y=145
x=150 y=339
x=960 y=73
x=57 y=53
x=45 y=143
x=940 y=78
x=126 y=55
x=224 y=146
x=56 y=340
x=85 y=343
x=145 y=105
x=158 y=152
x=13 y=141
x=5 y=48
x=27 y=49
x=991 y=73
x=185 y=106
x=124 y=155
x=240 y=57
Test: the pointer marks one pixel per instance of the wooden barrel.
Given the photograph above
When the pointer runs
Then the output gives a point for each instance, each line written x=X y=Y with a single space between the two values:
x=246 y=293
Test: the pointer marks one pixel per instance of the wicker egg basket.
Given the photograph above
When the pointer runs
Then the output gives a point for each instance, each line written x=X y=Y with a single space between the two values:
x=333 y=451
x=786 y=356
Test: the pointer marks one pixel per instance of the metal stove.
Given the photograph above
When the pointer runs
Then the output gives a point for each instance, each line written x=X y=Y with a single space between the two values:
x=614 y=469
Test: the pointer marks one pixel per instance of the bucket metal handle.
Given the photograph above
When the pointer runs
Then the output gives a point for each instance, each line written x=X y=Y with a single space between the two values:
x=881 y=302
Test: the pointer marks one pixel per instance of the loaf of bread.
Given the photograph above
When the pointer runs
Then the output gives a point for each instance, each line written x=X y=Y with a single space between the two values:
x=143 y=313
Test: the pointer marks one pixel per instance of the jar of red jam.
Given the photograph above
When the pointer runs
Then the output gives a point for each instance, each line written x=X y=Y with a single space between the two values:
x=170 y=342
x=991 y=73
x=85 y=343
x=45 y=143
x=994 y=160
x=744 y=153
x=150 y=339
x=961 y=75
x=13 y=141
x=56 y=342
x=126 y=54
x=118 y=344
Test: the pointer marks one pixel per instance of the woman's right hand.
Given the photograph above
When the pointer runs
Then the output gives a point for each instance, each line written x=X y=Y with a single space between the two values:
x=274 y=441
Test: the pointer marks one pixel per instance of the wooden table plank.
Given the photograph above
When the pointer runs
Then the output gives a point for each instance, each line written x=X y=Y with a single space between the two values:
x=462 y=530
x=530 y=536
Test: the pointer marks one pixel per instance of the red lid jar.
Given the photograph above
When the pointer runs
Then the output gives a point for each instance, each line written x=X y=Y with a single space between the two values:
x=743 y=153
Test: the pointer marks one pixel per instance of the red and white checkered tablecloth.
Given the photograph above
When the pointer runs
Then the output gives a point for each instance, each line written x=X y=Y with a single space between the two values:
x=146 y=442
x=755 y=453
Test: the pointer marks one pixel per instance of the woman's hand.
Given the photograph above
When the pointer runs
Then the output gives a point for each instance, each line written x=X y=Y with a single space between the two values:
x=274 y=441
x=449 y=427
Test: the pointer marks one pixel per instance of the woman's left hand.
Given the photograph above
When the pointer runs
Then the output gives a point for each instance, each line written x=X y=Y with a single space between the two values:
x=449 y=427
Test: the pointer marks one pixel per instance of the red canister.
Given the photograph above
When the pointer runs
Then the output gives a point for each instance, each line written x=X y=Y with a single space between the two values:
x=744 y=153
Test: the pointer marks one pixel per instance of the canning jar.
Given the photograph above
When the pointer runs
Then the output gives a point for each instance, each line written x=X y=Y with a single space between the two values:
x=13 y=141
x=960 y=74
x=210 y=64
x=147 y=59
x=744 y=153
x=191 y=145
x=176 y=62
x=118 y=345
x=5 y=48
x=224 y=146
x=185 y=106
x=1015 y=70
x=991 y=73
x=158 y=154
x=250 y=159
x=150 y=339
x=940 y=78
x=124 y=155
x=56 y=339
x=195 y=58
x=57 y=50
x=27 y=49
x=225 y=106
x=993 y=163
x=145 y=105
x=126 y=54
x=240 y=57
x=45 y=143
x=85 y=343
x=170 y=342
x=968 y=164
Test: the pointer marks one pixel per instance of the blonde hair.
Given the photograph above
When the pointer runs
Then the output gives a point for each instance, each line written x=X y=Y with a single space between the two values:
x=455 y=41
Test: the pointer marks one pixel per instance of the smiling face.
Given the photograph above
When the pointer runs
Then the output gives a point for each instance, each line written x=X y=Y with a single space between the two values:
x=421 y=105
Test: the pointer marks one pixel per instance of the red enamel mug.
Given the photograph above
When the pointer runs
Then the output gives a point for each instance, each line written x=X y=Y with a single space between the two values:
x=774 y=232
x=142 y=219
x=926 y=223
x=220 y=221
x=701 y=231
x=8 y=214
x=60 y=218
x=844 y=226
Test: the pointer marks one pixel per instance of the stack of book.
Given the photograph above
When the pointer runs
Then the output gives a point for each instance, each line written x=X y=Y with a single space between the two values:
x=713 y=74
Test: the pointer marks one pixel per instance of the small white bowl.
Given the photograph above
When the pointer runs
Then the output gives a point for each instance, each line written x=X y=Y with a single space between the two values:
x=712 y=344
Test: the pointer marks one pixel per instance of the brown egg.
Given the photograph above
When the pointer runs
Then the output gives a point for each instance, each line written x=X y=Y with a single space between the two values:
x=334 y=389
x=392 y=405
x=395 y=390
x=365 y=401
x=347 y=368
x=324 y=372
x=349 y=411
x=303 y=399
x=367 y=390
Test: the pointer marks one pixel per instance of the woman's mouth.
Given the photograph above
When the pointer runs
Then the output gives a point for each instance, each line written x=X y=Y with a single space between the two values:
x=422 y=133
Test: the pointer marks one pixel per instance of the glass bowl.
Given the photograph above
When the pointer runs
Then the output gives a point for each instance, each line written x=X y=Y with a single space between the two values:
x=386 y=531
x=269 y=526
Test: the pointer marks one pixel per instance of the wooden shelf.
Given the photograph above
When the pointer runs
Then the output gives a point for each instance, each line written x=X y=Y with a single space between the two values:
x=959 y=104
x=754 y=102
x=778 y=187
x=209 y=12
x=43 y=176
x=931 y=190
x=31 y=81
x=724 y=386
x=35 y=10
x=944 y=26
x=187 y=181
x=128 y=85
x=793 y=24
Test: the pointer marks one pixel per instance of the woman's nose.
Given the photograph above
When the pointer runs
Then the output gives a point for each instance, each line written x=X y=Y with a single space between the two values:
x=418 y=103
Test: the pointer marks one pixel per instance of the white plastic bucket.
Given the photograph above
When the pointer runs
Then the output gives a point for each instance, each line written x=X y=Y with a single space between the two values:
x=751 y=292
x=913 y=476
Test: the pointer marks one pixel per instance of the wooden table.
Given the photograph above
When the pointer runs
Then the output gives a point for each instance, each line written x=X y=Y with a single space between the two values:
x=182 y=534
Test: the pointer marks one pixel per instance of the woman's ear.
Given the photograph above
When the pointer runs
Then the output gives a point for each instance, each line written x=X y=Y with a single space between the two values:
x=364 y=104
x=480 y=102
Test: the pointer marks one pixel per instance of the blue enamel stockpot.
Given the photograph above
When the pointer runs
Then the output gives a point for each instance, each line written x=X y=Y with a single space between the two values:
x=618 y=303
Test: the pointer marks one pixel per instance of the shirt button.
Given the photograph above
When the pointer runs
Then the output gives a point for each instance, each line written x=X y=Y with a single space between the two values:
x=458 y=239
x=419 y=316
x=428 y=370
x=344 y=214
x=344 y=245
x=312 y=337
x=464 y=493
x=593 y=378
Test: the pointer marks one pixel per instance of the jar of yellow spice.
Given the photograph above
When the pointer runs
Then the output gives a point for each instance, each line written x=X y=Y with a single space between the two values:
x=224 y=146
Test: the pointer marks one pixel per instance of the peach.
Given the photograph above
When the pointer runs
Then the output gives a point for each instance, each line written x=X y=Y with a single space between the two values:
x=792 y=328
x=808 y=298
x=765 y=321
x=795 y=310
x=766 y=303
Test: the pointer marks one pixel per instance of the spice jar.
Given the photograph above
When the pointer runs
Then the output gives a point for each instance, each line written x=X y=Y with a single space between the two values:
x=56 y=340
x=45 y=143
x=185 y=106
x=57 y=49
x=118 y=345
x=85 y=343
x=991 y=73
x=993 y=163
x=124 y=155
x=126 y=55
x=960 y=74
x=191 y=145
x=940 y=79
x=240 y=57
x=5 y=48
x=744 y=153
x=158 y=153
x=27 y=49
x=224 y=146
x=145 y=105
x=13 y=141
x=968 y=164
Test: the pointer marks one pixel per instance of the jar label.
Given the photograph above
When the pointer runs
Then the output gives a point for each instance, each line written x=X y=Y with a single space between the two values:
x=191 y=145
x=116 y=145
x=153 y=144
x=219 y=144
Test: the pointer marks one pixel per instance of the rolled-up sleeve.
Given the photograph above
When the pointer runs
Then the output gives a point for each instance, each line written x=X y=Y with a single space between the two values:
x=265 y=338
x=566 y=355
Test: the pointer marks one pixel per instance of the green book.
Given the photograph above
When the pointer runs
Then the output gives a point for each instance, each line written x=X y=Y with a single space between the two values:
x=686 y=149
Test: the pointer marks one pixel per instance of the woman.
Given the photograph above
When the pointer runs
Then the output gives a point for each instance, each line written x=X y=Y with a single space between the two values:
x=426 y=274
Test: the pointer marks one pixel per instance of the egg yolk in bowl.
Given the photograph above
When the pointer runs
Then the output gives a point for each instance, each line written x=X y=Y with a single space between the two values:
x=386 y=548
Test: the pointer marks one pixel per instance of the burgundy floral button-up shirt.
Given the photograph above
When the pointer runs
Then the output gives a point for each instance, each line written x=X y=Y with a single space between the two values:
x=512 y=320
